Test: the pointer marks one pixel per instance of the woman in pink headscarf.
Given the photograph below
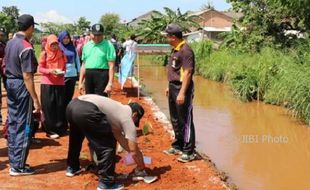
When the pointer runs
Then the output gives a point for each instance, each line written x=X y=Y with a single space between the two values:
x=52 y=65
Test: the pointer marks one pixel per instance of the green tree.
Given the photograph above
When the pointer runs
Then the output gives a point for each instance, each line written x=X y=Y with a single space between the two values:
x=265 y=22
x=82 y=25
x=123 y=31
x=50 y=28
x=11 y=11
x=71 y=28
x=8 y=18
x=54 y=28
x=110 y=22
x=150 y=30
x=4 y=20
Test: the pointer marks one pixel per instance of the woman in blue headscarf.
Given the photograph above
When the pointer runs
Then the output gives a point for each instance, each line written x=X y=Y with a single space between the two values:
x=72 y=65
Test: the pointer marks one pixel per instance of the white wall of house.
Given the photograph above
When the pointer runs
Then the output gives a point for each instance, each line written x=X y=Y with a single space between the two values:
x=194 y=36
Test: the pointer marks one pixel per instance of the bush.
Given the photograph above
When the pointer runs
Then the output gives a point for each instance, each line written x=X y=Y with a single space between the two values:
x=273 y=76
x=202 y=52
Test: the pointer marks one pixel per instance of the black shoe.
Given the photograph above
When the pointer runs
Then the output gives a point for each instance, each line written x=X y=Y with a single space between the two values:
x=172 y=151
x=27 y=170
x=72 y=172
x=115 y=186
x=187 y=158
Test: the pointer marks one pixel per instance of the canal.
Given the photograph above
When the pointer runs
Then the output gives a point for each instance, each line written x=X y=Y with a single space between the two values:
x=259 y=146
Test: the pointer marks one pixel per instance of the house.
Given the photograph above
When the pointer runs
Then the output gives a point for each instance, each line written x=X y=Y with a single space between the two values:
x=213 y=18
x=206 y=32
x=134 y=22
x=195 y=36
x=212 y=23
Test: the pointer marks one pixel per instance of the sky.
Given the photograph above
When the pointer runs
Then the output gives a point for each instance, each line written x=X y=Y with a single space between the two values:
x=68 y=11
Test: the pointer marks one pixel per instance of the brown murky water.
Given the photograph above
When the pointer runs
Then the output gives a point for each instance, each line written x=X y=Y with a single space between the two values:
x=260 y=146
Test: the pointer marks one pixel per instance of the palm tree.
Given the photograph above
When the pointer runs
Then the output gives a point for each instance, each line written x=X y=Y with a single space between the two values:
x=150 y=30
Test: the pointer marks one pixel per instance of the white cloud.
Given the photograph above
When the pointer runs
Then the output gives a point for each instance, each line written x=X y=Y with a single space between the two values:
x=51 y=16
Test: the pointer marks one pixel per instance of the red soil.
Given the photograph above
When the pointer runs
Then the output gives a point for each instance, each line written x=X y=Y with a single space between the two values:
x=49 y=159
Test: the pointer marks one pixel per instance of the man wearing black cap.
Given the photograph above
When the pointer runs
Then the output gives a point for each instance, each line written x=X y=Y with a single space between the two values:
x=103 y=121
x=180 y=92
x=20 y=66
x=98 y=57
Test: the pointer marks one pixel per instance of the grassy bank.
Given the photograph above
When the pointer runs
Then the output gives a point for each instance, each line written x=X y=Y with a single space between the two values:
x=271 y=76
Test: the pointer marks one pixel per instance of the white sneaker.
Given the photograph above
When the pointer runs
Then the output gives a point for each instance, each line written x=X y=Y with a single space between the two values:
x=53 y=136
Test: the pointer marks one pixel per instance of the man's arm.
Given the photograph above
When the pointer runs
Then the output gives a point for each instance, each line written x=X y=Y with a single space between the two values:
x=132 y=147
x=29 y=83
x=82 y=77
x=108 y=88
x=121 y=139
x=185 y=84
x=136 y=154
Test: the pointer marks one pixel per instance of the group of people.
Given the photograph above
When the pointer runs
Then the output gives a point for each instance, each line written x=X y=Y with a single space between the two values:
x=93 y=115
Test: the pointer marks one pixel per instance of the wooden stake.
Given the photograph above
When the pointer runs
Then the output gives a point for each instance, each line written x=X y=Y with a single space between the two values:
x=138 y=62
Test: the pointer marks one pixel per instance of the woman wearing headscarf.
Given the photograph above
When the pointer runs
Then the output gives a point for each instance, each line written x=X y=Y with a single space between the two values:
x=72 y=65
x=52 y=65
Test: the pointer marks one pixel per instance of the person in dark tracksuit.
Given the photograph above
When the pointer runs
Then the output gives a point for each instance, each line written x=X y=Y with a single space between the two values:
x=103 y=121
x=22 y=99
x=180 y=92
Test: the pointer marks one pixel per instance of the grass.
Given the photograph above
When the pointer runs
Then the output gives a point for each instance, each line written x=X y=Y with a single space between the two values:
x=272 y=76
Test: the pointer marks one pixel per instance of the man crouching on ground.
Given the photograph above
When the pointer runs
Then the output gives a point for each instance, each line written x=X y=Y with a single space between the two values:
x=103 y=121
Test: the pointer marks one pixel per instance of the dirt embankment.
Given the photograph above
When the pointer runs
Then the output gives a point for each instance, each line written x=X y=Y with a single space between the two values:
x=49 y=159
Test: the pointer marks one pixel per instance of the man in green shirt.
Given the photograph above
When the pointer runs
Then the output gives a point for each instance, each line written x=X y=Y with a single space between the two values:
x=97 y=70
